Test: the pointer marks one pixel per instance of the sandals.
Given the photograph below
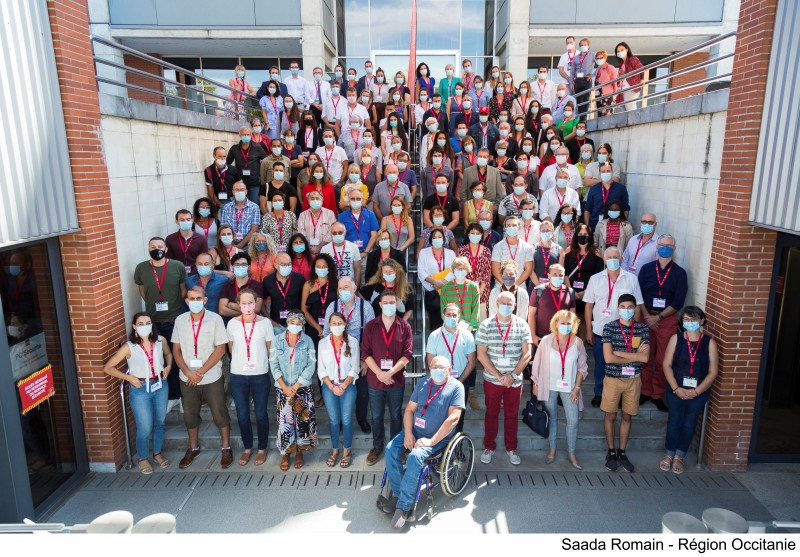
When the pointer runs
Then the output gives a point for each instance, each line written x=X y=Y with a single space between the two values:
x=245 y=458
x=299 y=461
x=346 y=457
x=284 y=463
x=333 y=456
x=162 y=461
x=147 y=469
x=677 y=465
x=261 y=458
x=665 y=464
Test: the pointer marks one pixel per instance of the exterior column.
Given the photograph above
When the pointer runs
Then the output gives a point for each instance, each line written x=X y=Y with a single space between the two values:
x=517 y=39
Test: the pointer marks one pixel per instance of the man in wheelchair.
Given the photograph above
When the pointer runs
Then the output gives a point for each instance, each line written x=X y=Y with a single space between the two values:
x=429 y=422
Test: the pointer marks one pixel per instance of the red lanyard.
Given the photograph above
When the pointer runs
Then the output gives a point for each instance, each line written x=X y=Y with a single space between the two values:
x=580 y=262
x=482 y=177
x=185 y=247
x=237 y=214
x=604 y=193
x=562 y=198
x=527 y=231
x=388 y=339
x=322 y=298
x=516 y=203
x=247 y=339
x=338 y=258
x=439 y=261
x=279 y=224
x=461 y=297
x=291 y=354
x=396 y=185
x=430 y=398
x=502 y=336
x=514 y=254
x=347 y=316
x=328 y=158
x=260 y=265
x=151 y=357
x=159 y=281
x=473 y=259
x=477 y=209
x=336 y=105
x=284 y=292
x=557 y=302
x=337 y=354
x=365 y=174
x=638 y=247
x=309 y=133
x=541 y=90
x=245 y=154
x=221 y=177
x=398 y=230
x=692 y=354
x=196 y=333
x=442 y=204
x=658 y=276
x=567 y=239
x=206 y=230
x=455 y=343
x=314 y=222
x=563 y=355
x=628 y=340
x=468 y=118
x=357 y=223
x=610 y=290
x=546 y=258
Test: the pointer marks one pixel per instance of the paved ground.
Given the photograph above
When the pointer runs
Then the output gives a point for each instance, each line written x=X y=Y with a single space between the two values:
x=501 y=498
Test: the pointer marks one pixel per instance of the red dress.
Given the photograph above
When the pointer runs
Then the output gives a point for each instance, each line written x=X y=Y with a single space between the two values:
x=328 y=197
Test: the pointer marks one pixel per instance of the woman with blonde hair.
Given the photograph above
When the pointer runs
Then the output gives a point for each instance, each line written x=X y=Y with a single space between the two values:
x=399 y=225
x=238 y=97
x=390 y=276
x=558 y=370
x=262 y=251
x=352 y=182
x=382 y=251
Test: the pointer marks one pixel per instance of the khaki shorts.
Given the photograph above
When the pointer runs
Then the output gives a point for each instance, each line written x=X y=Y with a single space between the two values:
x=626 y=388
x=212 y=394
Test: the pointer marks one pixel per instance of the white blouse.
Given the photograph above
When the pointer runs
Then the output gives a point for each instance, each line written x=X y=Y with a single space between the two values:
x=570 y=367
x=427 y=265
x=139 y=365
x=348 y=366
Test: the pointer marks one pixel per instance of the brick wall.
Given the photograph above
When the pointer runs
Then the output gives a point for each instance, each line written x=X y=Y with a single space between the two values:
x=740 y=277
x=142 y=81
x=90 y=256
x=688 y=77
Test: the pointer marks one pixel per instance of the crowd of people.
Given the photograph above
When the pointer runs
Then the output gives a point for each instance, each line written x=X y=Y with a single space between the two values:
x=292 y=273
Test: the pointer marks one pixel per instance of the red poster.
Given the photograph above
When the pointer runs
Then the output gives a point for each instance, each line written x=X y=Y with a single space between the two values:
x=36 y=388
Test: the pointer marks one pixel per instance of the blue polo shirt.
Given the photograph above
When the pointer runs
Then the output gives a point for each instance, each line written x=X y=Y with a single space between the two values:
x=437 y=409
x=462 y=342
x=213 y=289
x=594 y=200
x=408 y=177
x=359 y=228
x=673 y=288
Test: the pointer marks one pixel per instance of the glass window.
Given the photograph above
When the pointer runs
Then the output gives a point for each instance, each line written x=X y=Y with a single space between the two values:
x=356 y=21
x=390 y=25
x=438 y=24
x=29 y=311
x=474 y=34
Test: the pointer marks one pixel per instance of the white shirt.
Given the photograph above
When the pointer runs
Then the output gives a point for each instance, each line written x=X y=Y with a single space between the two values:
x=593 y=171
x=344 y=261
x=296 y=87
x=551 y=202
x=326 y=361
x=211 y=333
x=345 y=111
x=544 y=93
x=427 y=266
x=564 y=62
x=262 y=333
x=529 y=233
x=597 y=293
x=570 y=367
x=548 y=179
x=330 y=109
x=523 y=300
x=332 y=160
x=324 y=92
x=522 y=253
x=424 y=147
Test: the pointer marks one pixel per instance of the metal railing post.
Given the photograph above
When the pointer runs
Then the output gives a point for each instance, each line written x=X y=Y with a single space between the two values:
x=128 y=451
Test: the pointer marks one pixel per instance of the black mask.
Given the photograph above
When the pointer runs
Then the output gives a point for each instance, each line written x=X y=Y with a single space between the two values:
x=583 y=240
x=157 y=254
x=309 y=122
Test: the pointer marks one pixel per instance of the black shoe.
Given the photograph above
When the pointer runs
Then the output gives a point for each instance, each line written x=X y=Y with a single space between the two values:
x=643 y=399
x=611 y=461
x=365 y=427
x=596 y=401
x=390 y=505
x=626 y=464
x=660 y=404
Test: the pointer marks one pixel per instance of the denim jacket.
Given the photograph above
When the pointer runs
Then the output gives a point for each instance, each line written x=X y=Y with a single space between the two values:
x=305 y=360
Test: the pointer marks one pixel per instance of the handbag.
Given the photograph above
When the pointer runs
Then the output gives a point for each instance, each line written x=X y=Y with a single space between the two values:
x=536 y=417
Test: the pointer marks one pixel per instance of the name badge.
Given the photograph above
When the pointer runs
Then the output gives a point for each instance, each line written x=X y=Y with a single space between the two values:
x=321 y=321
x=577 y=284
x=282 y=249
x=197 y=363
x=419 y=422
x=504 y=362
x=314 y=241
x=631 y=269
x=284 y=314
x=579 y=75
x=246 y=172
x=162 y=306
x=545 y=280
x=562 y=384
x=156 y=385
x=455 y=373
x=306 y=153
x=606 y=312
x=387 y=364
x=222 y=195
x=690 y=382
x=249 y=366
x=659 y=303
x=188 y=269
x=238 y=236
x=359 y=243
x=628 y=371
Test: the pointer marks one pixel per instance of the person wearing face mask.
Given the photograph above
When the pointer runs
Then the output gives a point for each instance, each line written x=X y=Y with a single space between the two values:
x=437 y=162
x=301 y=255
x=290 y=115
x=384 y=249
x=564 y=223
x=438 y=111
x=462 y=292
x=280 y=223
x=353 y=182
x=463 y=145
x=338 y=76
x=601 y=194
x=345 y=253
x=351 y=141
x=576 y=142
x=224 y=250
x=508 y=274
x=562 y=98
x=393 y=138
x=547 y=132
x=628 y=64
x=561 y=163
x=518 y=135
x=642 y=248
x=162 y=285
x=443 y=198
x=562 y=194
x=365 y=81
x=490 y=237
x=501 y=100
x=474 y=206
x=308 y=136
x=259 y=136
x=447 y=85
x=545 y=254
x=228 y=306
x=504 y=350
x=601 y=299
x=368 y=162
x=691 y=365
x=333 y=158
x=525 y=168
x=186 y=244
x=400 y=226
x=439 y=220
x=219 y=178
x=468 y=114
x=582 y=260
x=566 y=60
x=605 y=75
x=318 y=93
x=320 y=182
x=149 y=361
x=592 y=174
x=293 y=362
x=543 y=91
x=204 y=215
x=488 y=175
x=513 y=248
x=338 y=367
x=505 y=147
x=315 y=222
x=522 y=102
x=266 y=171
x=614 y=229
x=380 y=95
x=284 y=289
x=433 y=270
x=389 y=189
x=533 y=123
x=425 y=83
x=559 y=368
x=389 y=275
x=213 y=283
x=352 y=81
x=547 y=299
x=431 y=418
x=278 y=185
x=262 y=252
x=199 y=342
x=274 y=77
x=247 y=159
x=296 y=160
x=530 y=227
x=360 y=223
x=427 y=133
x=480 y=261
x=586 y=157
x=480 y=94
x=484 y=132
x=331 y=111
x=296 y=86
x=249 y=339
x=241 y=88
x=386 y=349
x=664 y=285
x=318 y=294
x=400 y=88
x=455 y=107
x=511 y=204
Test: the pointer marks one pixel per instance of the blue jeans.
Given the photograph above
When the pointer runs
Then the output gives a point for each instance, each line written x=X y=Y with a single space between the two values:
x=404 y=484
x=243 y=387
x=149 y=411
x=571 y=412
x=252 y=194
x=340 y=411
x=682 y=422
x=164 y=328
x=377 y=400
x=599 y=364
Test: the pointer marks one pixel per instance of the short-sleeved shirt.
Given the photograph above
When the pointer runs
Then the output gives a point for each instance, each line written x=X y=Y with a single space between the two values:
x=210 y=334
x=259 y=333
x=449 y=202
x=285 y=297
x=597 y=293
x=186 y=251
x=521 y=253
x=216 y=282
x=288 y=191
x=503 y=342
x=361 y=228
x=547 y=303
x=174 y=274
x=461 y=342
x=241 y=219
x=429 y=416
x=344 y=256
x=510 y=207
x=231 y=289
x=540 y=266
x=384 y=194
x=613 y=334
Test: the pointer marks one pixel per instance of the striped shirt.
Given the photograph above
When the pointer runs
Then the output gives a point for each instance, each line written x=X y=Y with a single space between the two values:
x=618 y=335
x=466 y=297
x=504 y=352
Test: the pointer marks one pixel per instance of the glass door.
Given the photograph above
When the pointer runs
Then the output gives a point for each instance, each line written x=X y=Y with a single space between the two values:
x=393 y=61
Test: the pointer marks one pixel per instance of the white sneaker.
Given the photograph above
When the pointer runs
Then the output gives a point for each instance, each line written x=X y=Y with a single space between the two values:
x=486 y=457
x=514 y=457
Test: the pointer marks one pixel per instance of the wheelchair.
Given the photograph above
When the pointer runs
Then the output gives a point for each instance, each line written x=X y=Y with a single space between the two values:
x=449 y=468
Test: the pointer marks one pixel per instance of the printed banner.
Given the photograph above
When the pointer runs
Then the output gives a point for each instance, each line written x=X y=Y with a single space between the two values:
x=36 y=388
x=27 y=356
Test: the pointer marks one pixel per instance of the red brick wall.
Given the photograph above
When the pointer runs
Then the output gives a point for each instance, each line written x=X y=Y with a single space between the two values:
x=688 y=77
x=142 y=81
x=90 y=256
x=741 y=273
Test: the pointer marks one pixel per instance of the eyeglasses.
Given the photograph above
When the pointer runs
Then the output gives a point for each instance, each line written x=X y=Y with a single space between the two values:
x=648 y=222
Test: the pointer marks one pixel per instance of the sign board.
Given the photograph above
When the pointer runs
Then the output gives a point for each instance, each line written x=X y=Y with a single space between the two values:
x=28 y=356
x=36 y=388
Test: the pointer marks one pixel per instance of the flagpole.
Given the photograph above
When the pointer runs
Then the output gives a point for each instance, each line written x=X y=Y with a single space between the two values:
x=412 y=62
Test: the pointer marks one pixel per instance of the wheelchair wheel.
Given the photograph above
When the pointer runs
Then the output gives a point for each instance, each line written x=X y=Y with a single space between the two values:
x=456 y=464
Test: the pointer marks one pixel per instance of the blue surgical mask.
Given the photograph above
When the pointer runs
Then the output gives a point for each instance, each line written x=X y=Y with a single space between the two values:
x=204 y=212
x=648 y=228
x=354 y=176
x=691 y=326
x=277 y=205
x=261 y=246
x=626 y=313
x=315 y=204
x=389 y=310
x=665 y=251
x=605 y=176
x=384 y=244
x=562 y=183
x=564 y=328
x=547 y=236
x=278 y=175
x=475 y=238
x=512 y=231
x=245 y=139
x=285 y=270
x=186 y=225
x=196 y=306
x=612 y=264
x=257 y=129
x=204 y=270
x=586 y=155
x=295 y=71
x=439 y=374
x=460 y=274
x=298 y=248
x=451 y=322
x=337 y=238
x=240 y=196
x=613 y=214
x=527 y=214
x=566 y=218
x=438 y=221
x=505 y=310
x=389 y=277
x=226 y=240
x=601 y=158
x=240 y=74
x=437 y=242
x=240 y=272
x=322 y=272
x=355 y=205
x=345 y=296
x=294 y=329
x=556 y=281
x=485 y=224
